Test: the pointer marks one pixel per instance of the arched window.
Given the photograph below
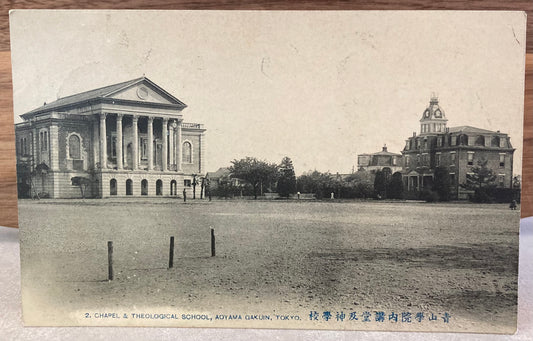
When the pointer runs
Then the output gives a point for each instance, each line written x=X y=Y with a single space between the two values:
x=74 y=151
x=173 y=189
x=187 y=152
x=144 y=187
x=129 y=187
x=159 y=187
x=113 y=187
x=463 y=139
x=480 y=140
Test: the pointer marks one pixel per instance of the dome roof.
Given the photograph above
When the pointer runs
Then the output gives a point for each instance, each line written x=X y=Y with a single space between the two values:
x=433 y=111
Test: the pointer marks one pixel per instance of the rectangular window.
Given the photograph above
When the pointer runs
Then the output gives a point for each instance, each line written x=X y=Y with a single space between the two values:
x=439 y=141
x=470 y=158
x=424 y=159
x=454 y=140
x=502 y=142
x=187 y=183
x=144 y=148
x=502 y=160
x=501 y=180
x=437 y=159
x=43 y=140
x=452 y=158
x=452 y=178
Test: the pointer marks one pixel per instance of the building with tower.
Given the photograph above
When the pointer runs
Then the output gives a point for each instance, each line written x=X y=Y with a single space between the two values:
x=126 y=139
x=459 y=149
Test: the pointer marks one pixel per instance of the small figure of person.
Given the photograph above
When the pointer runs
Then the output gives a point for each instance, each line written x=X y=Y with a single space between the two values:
x=332 y=195
x=513 y=205
x=298 y=194
x=184 y=195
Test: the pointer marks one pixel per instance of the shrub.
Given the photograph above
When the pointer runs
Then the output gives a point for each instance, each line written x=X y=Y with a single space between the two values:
x=429 y=195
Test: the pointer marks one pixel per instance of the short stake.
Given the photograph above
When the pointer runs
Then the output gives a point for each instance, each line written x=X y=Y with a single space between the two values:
x=213 y=253
x=110 y=260
x=171 y=254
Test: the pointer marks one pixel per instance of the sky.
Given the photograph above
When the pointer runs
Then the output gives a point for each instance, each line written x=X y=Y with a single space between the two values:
x=319 y=87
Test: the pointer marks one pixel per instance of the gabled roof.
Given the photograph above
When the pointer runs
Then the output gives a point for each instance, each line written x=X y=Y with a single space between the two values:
x=101 y=93
x=470 y=129
x=222 y=171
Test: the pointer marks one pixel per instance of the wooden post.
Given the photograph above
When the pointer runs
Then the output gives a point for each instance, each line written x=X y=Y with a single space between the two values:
x=213 y=242
x=110 y=259
x=171 y=254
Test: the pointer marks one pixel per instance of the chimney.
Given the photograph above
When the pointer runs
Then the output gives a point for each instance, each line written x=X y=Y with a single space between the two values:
x=384 y=147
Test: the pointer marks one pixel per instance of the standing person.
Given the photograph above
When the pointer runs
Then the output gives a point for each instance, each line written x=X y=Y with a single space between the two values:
x=184 y=195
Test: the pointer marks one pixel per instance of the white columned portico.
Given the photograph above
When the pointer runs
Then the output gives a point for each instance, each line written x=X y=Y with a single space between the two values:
x=103 y=142
x=150 y=143
x=164 y=129
x=172 y=152
x=178 y=145
x=135 y=152
x=119 y=142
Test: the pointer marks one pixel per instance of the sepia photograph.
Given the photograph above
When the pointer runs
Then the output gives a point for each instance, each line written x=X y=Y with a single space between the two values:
x=343 y=170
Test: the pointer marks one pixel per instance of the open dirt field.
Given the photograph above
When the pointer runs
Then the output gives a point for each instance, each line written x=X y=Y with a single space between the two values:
x=273 y=258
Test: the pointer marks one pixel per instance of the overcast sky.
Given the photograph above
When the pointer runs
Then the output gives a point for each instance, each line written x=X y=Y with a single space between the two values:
x=319 y=87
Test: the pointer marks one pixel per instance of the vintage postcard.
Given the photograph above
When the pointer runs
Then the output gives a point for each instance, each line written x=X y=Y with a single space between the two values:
x=269 y=169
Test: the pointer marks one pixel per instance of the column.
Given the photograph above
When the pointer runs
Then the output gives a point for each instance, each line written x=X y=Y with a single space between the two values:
x=165 y=141
x=53 y=146
x=95 y=145
x=171 y=144
x=135 y=130
x=103 y=142
x=150 y=143
x=35 y=147
x=178 y=147
x=119 y=142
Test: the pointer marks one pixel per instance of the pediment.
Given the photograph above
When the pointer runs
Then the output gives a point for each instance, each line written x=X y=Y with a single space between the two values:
x=144 y=91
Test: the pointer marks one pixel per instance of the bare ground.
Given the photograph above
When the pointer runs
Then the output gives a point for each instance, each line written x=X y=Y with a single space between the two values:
x=273 y=258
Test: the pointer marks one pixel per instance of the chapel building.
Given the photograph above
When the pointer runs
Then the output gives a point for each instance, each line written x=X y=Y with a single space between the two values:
x=126 y=139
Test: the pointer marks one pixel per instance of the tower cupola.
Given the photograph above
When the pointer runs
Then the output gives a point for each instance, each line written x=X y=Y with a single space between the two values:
x=433 y=119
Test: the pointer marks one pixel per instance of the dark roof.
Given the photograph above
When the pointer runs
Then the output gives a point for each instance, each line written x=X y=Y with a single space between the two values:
x=386 y=153
x=222 y=171
x=470 y=129
x=97 y=93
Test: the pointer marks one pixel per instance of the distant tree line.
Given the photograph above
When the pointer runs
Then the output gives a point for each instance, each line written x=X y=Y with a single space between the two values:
x=257 y=177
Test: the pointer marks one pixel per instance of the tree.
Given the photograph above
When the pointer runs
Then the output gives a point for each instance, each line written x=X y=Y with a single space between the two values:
x=442 y=183
x=82 y=182
x=317 y=183
x=480 y=176
x=256 y=172
x=396 y=186
x=287 y=178
x=481 y=181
